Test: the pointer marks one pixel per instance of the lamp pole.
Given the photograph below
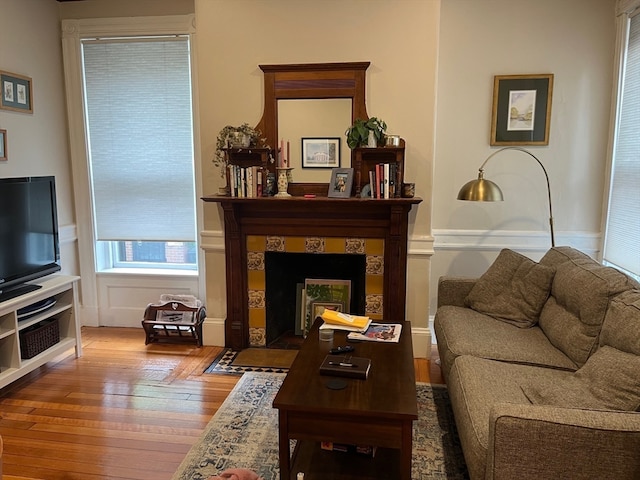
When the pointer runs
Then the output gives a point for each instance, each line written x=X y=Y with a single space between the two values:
x=546 y=176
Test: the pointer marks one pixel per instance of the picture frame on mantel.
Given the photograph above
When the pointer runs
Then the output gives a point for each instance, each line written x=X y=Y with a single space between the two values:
x=17 y=92
x=341 y=183
x=521 y=110
x=3 y=145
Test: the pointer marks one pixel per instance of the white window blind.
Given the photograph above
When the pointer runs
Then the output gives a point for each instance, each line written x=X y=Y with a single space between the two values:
x=138 y=101
x=622 y=240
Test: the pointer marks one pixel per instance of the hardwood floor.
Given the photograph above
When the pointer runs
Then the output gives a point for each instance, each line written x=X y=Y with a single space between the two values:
x=122 y=411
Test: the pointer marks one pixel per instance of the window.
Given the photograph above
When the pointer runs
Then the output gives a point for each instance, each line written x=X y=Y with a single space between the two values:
x=622 y=223
x=137 y=94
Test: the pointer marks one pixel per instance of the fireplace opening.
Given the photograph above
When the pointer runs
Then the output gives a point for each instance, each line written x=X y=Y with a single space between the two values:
x=285 y=271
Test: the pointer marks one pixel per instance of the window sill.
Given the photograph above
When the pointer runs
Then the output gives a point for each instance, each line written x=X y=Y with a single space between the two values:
x=151 y=272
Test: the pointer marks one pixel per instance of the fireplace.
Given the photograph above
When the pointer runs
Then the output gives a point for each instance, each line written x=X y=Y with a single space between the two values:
x=277 y=265
x=287 y=305
x=373 y=229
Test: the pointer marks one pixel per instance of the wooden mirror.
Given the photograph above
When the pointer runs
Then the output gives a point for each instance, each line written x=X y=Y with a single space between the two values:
x=311 y=81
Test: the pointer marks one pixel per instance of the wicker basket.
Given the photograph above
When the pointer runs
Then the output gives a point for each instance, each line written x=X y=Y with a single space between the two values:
x=37 y=338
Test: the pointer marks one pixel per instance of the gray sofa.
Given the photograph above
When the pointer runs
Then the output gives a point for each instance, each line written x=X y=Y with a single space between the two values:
x=542 y=362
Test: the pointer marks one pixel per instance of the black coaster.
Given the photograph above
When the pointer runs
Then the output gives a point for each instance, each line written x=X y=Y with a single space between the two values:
x=336 y=384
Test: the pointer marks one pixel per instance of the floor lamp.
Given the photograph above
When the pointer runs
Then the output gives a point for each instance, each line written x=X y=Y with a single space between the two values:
x=482 y=190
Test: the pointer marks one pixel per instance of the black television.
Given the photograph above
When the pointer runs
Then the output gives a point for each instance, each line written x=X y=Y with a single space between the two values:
x=29 y=243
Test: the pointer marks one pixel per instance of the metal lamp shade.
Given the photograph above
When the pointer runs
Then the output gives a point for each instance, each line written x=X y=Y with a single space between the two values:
x=480 y=190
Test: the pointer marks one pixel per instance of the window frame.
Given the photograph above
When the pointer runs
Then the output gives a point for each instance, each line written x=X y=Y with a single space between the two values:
x=94 y=258
x=625 y=10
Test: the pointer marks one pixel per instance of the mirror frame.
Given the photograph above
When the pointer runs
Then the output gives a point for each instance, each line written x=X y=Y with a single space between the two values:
x=311 y=81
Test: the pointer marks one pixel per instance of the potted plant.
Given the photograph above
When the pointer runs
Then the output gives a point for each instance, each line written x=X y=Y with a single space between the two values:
x=243 y=136
x=366 y=132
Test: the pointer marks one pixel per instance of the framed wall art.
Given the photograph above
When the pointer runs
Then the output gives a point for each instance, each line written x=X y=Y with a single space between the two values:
x=3 y=144
x=320 y=152
x=17 y=92
x=521 y=110
x=341 y=183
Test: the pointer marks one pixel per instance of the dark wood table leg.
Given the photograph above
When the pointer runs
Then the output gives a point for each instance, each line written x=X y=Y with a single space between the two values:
x=406 y=450
x=283 y=446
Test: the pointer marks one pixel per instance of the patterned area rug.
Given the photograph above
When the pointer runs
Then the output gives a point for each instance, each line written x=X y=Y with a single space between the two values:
x=244 y=433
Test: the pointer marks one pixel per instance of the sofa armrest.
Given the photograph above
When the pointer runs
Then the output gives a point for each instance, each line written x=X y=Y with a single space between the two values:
x=453 y=290
x=544 y=442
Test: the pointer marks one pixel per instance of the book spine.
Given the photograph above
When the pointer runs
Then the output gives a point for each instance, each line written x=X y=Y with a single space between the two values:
x=386 y=180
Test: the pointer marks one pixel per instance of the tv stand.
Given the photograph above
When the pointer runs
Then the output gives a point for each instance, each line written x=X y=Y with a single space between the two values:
x=18 y=290
x=61 y=288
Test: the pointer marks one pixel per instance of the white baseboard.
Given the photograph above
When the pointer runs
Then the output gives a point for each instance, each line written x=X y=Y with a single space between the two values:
x=421 y=338
x=213 y=332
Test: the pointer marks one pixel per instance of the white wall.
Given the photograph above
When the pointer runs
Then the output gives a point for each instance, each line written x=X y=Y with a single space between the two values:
x=37 y=143
x=398 y=38
x=573 y=39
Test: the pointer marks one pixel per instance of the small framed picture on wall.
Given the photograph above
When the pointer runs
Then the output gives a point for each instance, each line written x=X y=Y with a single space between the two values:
x=3 y=144
x=17 y=92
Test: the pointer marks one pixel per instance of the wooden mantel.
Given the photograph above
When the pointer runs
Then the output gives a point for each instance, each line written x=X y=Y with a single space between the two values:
x=319 y=216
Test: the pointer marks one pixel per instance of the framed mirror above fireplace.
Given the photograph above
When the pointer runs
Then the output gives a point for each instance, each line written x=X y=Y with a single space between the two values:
x=334 y=83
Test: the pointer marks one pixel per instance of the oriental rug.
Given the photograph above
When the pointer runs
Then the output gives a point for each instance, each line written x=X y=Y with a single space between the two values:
x=244 y=433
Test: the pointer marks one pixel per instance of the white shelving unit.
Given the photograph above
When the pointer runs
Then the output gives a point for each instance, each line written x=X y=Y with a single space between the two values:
x=63 y=289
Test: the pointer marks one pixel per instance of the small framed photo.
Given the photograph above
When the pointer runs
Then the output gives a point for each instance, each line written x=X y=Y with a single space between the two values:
x=17 y=92
x=3 y=145
x=320 y=152
x=521 y=110
x=341 y=183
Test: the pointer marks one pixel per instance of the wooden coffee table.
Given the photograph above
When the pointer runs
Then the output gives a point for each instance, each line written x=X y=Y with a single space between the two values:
x=377 y=411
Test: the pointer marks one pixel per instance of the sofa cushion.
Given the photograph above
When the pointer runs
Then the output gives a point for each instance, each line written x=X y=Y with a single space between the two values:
x=580 y=294
x=609 y=380
x=475 y=386
x=513 y=289
x=621 y=327
x=463 y=331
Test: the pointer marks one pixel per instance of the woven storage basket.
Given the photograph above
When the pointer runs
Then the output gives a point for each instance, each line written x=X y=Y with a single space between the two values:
x=37 y=338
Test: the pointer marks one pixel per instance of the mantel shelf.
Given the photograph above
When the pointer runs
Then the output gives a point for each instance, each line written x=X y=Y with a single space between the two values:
x=363 y=202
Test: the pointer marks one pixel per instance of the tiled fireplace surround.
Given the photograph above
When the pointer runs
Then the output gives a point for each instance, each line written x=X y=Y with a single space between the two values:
x=253 y=226
x=257 y=245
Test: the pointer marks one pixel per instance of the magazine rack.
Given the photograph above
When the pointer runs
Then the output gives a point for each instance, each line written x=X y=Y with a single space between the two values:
x=173 y=322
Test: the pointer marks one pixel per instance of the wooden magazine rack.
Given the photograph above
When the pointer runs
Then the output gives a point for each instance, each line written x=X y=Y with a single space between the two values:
x=173 y=322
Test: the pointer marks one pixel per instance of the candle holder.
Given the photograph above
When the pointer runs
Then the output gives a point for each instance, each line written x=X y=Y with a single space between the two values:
x=284 y=177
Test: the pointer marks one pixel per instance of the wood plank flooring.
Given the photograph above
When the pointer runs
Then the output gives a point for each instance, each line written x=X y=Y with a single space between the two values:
x=122 y=411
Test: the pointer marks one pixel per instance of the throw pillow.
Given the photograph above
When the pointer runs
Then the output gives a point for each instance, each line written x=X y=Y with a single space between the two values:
x=513 y=289
x=609 y=380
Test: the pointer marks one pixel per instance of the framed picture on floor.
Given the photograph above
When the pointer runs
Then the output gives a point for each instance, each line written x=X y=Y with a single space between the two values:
x=321 y=293
x=521 y=110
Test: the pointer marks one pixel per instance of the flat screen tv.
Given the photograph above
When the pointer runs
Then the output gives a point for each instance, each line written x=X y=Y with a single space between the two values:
x=29 y=244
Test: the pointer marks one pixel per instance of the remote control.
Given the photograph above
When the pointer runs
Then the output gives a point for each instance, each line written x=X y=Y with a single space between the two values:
x=342 y=349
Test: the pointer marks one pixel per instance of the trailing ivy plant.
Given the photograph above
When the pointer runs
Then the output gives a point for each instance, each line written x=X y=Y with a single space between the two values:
x=358 y=133
x=222 y=142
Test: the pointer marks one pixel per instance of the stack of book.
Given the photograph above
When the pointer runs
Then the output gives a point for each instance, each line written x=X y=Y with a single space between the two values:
x=245 y=182
x=384 y=180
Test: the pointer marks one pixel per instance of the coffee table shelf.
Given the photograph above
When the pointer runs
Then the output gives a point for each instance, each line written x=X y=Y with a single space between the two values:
x=318 y=464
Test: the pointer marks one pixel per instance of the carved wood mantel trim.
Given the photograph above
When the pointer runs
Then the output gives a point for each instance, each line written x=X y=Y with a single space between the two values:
x=320 y=216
